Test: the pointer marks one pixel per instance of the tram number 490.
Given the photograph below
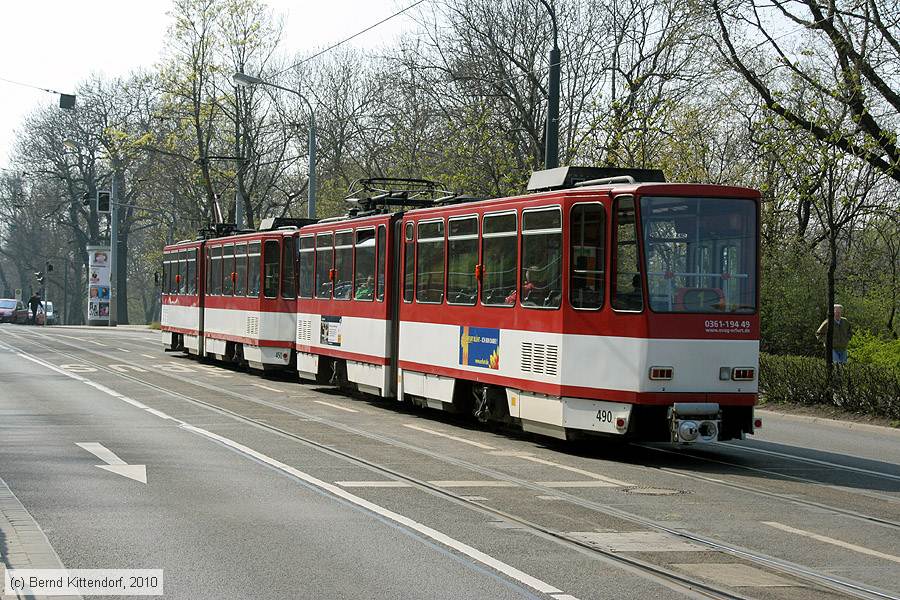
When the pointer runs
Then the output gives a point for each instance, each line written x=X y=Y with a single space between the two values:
x=605 y=416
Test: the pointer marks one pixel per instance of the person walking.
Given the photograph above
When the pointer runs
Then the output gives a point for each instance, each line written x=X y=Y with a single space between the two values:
x=34 y=303
x=841 y=337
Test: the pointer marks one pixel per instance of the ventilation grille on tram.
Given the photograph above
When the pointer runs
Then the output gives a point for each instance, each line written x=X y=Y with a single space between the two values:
x=304 y=330
x=541 y=359
x=252 y=328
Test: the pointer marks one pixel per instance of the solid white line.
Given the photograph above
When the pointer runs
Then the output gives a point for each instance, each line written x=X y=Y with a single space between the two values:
x=449 y=437
x=158 y=413
x=828 y=540
x=101 y=452
x=265 y=387
x=424 y=530
x=335 y=406
x=813 y=461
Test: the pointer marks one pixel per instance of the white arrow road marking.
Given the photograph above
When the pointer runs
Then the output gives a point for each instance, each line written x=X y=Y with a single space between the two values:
x=114 y=464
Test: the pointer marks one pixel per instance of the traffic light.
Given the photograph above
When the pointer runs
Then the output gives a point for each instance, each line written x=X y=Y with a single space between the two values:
x=103 y=199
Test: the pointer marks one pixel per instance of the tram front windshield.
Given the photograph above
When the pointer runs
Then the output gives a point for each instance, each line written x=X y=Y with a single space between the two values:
x=700 y=254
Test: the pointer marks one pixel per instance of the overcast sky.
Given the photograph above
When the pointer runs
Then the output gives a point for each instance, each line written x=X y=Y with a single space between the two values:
x=57 y=43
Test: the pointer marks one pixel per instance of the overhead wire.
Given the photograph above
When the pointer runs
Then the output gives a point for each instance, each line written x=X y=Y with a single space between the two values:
x=28 y=85
x=349 y=38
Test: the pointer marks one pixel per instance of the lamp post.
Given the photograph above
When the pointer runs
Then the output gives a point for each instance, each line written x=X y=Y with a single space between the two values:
x=248 y=80
x=551 y=136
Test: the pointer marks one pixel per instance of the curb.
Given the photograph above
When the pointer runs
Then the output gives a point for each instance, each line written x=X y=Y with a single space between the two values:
x=849 y=425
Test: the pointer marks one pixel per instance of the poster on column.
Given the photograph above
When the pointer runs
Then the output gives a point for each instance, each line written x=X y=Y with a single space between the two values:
x=98 y=285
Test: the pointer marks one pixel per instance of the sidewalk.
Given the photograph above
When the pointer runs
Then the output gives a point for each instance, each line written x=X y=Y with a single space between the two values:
x=23 y=544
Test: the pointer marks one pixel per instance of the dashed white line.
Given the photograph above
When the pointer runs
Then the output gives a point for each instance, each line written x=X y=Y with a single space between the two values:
x=832 y=541
x=123 y=350
x=441 y=538
x=464 y=484
x=265 y=387
x=96 y=343
x=387 y=483
x=449 y=437
x=148 y=356
x=541 y=461
x=344 y=408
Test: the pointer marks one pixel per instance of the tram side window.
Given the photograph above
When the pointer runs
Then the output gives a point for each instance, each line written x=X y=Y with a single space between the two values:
x=499 y=254
x=587 y=258
x=541 y=258
x=343 y=265
x=324 y=258
x=182 y=271
x=382 y=261
x=271 y=268
x=173 y=270
x=364 y=273
x=216 y=288
x=167 y=273
x=192 y=272
x=409 y=261
x=288 y=281
x=462 y=252
x=430 y=263
x=240 y=269
x=627 y=291
x=307 y=266
x=253 y=270
x=228 y=271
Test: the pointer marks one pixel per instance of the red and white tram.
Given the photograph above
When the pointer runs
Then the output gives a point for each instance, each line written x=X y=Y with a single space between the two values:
x=345 y=320
x=182 y=294
x=241 y=296
x=604 y=302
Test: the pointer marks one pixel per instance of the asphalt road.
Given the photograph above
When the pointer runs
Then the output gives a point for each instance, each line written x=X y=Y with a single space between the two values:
x=263 y=487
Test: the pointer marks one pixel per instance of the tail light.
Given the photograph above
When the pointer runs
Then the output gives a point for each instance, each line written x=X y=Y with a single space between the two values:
x=743 y=374
x=661 y=373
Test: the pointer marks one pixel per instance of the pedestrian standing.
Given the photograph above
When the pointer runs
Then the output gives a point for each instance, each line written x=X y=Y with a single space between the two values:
x=34 y=302
x=841 y=336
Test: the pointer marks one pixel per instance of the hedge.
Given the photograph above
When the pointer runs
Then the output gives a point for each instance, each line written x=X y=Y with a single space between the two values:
x=857 y=387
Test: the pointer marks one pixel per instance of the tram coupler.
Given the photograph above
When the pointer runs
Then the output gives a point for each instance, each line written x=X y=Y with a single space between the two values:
x=694 y=422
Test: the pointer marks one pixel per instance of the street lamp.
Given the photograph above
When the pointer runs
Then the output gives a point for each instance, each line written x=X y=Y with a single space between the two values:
x=551 y=136
x=245 y=80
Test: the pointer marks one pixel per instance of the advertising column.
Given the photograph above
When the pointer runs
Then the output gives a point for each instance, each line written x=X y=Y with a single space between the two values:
x=98 y=285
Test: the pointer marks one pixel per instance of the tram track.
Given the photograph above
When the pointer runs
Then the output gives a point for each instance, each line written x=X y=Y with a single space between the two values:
x=871 y=519
x=795 y=571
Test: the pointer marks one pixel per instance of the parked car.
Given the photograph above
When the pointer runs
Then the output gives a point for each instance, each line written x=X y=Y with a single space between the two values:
x=12 y=311
x=50 y=314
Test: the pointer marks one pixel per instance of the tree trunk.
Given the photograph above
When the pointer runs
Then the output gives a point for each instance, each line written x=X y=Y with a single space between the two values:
x=829 y=338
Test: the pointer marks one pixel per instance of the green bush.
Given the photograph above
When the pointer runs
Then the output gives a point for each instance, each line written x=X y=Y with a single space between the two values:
x=857 y=387
x=867 y=348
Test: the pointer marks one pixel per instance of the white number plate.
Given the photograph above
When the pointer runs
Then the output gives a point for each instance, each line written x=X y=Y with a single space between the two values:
x=594 y=415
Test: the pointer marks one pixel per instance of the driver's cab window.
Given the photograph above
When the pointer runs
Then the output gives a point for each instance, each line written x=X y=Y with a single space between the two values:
x=627 y=292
